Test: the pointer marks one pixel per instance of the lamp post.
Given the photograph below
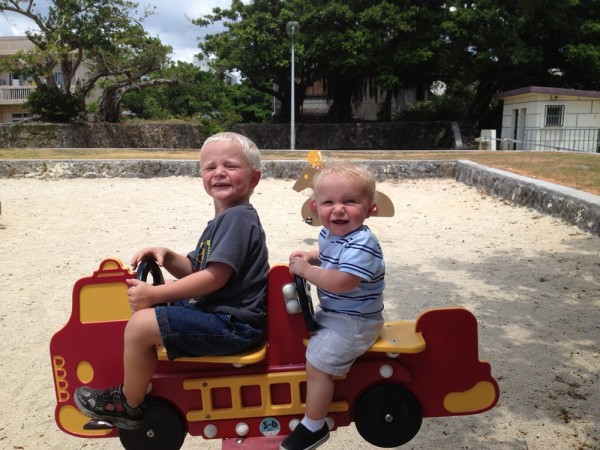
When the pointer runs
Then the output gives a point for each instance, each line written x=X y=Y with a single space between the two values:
x=292 y=29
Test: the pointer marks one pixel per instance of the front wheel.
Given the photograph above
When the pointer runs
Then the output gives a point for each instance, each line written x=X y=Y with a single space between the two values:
x=163 y=429
x=388 y=416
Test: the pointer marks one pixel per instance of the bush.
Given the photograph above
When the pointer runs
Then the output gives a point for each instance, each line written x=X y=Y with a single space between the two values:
x=55 y=106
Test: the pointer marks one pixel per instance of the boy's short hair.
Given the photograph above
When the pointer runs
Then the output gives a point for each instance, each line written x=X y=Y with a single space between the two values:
x=349 y=170
x=243 y=143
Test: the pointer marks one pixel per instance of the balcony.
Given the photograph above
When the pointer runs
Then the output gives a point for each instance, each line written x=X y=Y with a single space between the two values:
x=14 y=95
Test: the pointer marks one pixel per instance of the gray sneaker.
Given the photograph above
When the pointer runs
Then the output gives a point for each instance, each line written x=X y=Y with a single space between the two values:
x=109 y=405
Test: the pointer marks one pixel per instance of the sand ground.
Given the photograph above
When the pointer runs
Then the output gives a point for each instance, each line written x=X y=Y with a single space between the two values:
x=532 y=281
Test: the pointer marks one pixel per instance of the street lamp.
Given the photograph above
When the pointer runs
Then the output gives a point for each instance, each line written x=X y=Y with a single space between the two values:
x=292 y=29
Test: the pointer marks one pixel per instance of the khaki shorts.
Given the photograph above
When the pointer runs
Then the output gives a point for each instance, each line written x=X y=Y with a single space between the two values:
x=341 y=339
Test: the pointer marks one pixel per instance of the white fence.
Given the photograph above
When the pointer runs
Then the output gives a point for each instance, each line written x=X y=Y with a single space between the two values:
x=573 y=139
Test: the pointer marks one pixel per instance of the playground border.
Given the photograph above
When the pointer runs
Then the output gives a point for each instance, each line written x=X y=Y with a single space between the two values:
x=574 y=207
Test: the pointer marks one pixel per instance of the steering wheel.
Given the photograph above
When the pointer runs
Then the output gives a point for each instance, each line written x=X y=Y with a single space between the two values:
x=305 y=304
x=149 y=266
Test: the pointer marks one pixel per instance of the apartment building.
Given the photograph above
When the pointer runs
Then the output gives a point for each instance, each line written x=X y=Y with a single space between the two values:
x=14 y=88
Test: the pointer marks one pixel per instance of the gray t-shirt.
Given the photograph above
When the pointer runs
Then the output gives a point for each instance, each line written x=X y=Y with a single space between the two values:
x=236 y=238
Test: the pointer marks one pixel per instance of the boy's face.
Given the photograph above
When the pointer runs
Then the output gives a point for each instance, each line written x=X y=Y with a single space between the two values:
x=342 y=205
x=226 y=174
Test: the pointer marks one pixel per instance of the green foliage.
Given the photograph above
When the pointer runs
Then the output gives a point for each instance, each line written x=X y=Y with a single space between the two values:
x=106 y=34
x=54 y=106
x=478 y=48
x=201 y=97
x=346 y=44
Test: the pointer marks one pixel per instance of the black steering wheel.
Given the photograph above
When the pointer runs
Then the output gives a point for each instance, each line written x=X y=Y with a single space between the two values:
x=305 y=304
x=149 y=266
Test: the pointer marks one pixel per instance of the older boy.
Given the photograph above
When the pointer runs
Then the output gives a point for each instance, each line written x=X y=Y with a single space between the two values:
x=219 y=295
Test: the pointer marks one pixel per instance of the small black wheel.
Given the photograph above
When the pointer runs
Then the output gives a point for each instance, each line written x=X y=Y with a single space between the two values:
x=149 y=267
x=163 y=429
x=305 y=304
x=388 y=416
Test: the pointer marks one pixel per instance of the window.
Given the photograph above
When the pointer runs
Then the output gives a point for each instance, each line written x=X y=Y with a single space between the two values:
x=555 y=116
x=19 y=117
x=58 y=78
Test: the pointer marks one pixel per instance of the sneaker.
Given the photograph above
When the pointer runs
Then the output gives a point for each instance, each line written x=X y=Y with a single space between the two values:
x=303 y=439
x=109 y=405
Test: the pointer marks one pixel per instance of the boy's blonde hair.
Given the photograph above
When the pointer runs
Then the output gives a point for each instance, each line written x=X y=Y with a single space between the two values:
x=245 y=144
x=350 y=171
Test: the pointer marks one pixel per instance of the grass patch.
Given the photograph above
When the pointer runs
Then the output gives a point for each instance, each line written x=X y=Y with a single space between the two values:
x=577 y=170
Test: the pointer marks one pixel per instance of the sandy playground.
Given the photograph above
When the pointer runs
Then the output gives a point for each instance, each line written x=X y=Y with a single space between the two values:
x=532 y=282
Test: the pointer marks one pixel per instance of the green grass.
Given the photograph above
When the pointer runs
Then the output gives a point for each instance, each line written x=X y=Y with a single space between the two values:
x=577 y=170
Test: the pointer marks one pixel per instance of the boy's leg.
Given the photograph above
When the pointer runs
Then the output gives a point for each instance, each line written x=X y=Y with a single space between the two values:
x=112 y=404
x=319 y=392
x=313 y=430
x=142 y=335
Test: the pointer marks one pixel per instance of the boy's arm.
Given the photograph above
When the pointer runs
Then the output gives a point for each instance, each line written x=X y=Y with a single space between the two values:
x=177 y=265
x=212 y=278
x=327 y=279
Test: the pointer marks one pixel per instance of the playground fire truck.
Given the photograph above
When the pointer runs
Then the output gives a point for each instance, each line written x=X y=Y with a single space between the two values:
x=417 y=369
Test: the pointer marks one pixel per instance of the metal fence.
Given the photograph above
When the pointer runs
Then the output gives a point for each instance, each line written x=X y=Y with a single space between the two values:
x=573 y=139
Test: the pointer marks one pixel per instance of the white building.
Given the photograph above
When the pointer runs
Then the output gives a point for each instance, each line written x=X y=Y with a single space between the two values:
x=542 y=118
x=14 y=89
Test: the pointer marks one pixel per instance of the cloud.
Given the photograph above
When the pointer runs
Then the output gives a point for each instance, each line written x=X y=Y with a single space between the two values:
x=171 y=22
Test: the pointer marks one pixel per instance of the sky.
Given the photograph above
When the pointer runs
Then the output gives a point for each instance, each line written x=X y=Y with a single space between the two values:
x=169 y=23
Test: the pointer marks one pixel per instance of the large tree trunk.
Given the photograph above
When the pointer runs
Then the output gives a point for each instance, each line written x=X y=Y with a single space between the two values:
x=112 y=96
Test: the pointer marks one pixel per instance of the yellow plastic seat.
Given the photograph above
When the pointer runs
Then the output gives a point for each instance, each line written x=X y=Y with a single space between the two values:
x=251 y=356
x=399 y=337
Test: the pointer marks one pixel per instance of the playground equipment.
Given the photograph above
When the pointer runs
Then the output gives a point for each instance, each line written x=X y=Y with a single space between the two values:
x=417 y=369
x=385 y=207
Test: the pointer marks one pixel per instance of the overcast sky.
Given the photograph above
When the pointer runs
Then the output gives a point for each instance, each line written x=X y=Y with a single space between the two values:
x=169 y=23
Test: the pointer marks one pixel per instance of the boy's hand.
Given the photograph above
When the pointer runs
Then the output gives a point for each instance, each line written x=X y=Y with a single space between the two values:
x=139 y=294
x=158 y=254
x=298 y=266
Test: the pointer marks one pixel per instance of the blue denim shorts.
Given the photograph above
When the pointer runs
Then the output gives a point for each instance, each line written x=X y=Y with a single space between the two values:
x=188 y=331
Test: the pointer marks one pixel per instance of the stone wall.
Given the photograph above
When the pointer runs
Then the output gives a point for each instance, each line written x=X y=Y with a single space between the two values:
x=100 y=135
x=357 y=136
x=345 y=136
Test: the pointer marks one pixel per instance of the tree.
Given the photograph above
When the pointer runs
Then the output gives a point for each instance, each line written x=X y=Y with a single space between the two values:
x=349 y=45
x=256 y=44
x=201 y=97
x=496 y=45
x=476 y=47
x=132 y=64
x=102 y=34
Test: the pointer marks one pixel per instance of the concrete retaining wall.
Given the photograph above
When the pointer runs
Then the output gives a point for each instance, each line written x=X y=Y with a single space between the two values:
x=357 y=136
x=573 y=206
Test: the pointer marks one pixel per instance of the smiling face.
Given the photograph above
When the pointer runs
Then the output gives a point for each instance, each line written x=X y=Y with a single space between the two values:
x=342 y=203
x=226 y=174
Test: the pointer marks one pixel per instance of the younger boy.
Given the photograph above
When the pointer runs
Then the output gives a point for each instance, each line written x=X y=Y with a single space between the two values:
x=219 y=297
x=349 y=281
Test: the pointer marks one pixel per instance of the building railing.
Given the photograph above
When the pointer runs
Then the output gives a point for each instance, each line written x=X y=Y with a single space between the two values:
x=573 y=139
x=14 y=95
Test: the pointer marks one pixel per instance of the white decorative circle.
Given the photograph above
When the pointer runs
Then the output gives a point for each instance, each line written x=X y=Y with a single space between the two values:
x=210 y=431
x=292 y=307
x=386 y=371
x=289 y=291
x=242 y=429
x=293 y=424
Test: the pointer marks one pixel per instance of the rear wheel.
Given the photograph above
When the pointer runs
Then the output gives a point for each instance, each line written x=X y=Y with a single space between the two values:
x=388 y=416
x=163 y=429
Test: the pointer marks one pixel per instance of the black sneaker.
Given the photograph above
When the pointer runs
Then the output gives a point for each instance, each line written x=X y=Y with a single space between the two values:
x=303 y=439
x=109 y=405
